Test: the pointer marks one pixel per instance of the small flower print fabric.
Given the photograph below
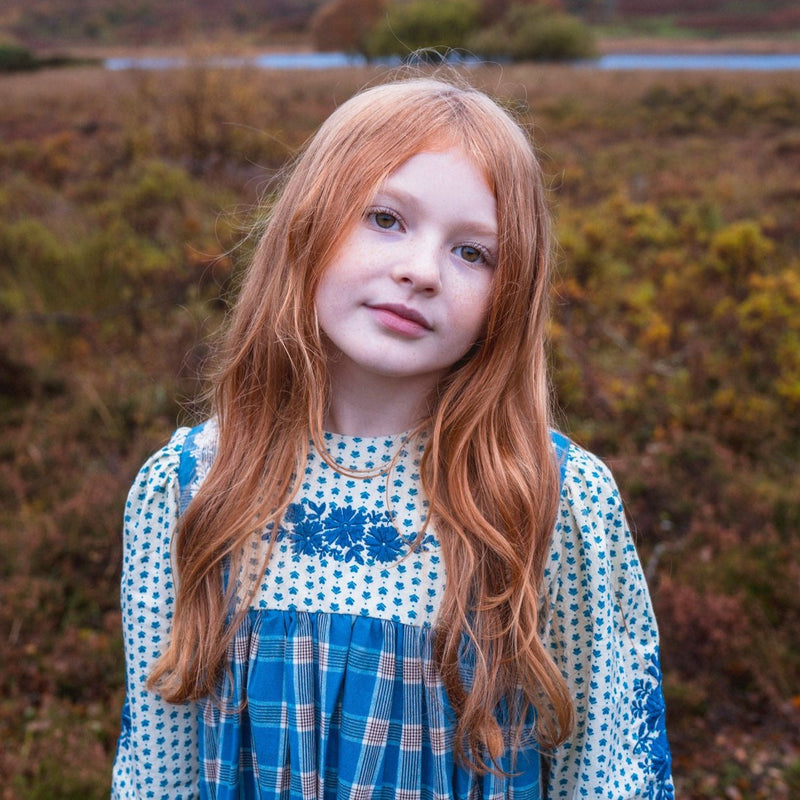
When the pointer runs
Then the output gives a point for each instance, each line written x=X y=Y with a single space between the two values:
x=332 y=690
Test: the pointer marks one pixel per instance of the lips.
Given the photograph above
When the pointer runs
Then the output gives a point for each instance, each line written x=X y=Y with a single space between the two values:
x=404 y=312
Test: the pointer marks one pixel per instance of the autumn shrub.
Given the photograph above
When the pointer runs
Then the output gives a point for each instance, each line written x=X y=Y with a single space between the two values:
x=716 y=636
x=675 y=351
x=43 y=770
x=534 y=32
x=222 y=122
x=706 y=106
x=344 y=24
x=712 y=347
x=557 y=37
x=732 y=604
x=38 y=266
x=15 y=58
x=674 y=347
x=96 y=272
x=492 y=11
x=155 y=199
x=416 y=25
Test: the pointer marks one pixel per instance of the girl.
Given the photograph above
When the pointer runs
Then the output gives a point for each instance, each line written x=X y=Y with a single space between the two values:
x=375 y=571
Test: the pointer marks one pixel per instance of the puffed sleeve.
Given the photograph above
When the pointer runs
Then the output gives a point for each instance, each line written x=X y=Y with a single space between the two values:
x=157 y=753
x=600 y=629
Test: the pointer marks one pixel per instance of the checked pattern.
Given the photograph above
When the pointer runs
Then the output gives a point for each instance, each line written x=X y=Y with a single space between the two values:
x=331 y=691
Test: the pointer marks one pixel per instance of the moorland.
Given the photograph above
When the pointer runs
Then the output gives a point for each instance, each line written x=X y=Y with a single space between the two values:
x=125 y=203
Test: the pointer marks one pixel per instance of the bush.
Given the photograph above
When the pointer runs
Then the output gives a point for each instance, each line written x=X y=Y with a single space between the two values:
x=534 y=33
x=419 y=25
x=14 y=58
x=492 y=11
x=556 y=37
x=344 y=24
x=38 y=266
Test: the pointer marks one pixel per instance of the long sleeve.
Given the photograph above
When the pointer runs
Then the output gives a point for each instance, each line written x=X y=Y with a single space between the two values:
x=157 y=754
x=601 y=631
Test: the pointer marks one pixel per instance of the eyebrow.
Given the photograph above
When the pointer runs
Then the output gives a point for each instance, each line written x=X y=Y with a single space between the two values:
x=396 y=194
x=405 y=198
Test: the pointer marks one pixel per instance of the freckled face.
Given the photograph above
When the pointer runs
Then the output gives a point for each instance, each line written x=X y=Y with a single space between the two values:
x=406 y=293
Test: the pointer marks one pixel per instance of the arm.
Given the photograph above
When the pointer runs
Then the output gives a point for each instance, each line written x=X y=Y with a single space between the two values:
x=602 y=634
x=157 y=750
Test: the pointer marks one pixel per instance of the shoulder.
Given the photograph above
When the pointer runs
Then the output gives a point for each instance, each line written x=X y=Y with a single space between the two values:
x=580 y=469
x=587 y=484
x=153 y=496
x=591 y=518
x=161 y=468
x=198 y=449
x=178 y=468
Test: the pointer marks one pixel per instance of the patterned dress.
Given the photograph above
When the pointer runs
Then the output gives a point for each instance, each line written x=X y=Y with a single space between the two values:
x=332 y=692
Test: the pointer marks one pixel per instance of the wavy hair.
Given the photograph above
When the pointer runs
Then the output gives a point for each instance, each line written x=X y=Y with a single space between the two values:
x=488 y=469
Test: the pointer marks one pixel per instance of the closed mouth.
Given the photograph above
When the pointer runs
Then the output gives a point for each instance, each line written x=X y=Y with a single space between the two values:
x=405 y=313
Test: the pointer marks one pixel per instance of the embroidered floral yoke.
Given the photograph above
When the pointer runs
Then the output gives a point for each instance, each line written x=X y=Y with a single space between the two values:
x=334 y=662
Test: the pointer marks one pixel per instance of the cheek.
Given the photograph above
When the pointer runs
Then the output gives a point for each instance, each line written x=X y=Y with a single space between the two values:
x=334 y=280
x=474 y=305
x=326 y=300
x=320 y=295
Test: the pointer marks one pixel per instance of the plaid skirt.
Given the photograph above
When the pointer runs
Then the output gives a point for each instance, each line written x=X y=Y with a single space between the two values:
x=332 y=706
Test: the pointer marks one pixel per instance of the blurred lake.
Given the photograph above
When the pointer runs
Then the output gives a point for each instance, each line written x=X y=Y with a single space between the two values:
x=616 y=61
x=774 y=62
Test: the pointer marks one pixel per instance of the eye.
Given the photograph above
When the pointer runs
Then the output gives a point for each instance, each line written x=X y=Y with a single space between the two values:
x=384 y=219
x=473 y=254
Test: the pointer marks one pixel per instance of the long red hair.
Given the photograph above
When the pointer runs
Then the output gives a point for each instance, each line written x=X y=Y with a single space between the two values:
x=488 y=470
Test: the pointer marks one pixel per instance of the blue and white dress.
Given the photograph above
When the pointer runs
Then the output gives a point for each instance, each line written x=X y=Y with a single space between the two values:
x=332 y=692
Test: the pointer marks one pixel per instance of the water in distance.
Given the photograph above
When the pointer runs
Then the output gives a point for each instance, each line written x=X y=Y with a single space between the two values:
x=612 y=61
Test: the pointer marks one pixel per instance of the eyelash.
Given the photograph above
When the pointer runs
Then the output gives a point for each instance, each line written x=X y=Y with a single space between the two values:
x=486 y=255
x=372 y=213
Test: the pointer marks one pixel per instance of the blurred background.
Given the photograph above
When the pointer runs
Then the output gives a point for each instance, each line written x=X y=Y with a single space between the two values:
x=138 y=141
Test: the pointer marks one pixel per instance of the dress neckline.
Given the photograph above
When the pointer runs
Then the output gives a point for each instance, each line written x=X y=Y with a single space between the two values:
x=371 y=453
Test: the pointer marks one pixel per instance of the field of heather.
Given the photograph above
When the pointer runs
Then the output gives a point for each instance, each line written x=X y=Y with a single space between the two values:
x=125 y=200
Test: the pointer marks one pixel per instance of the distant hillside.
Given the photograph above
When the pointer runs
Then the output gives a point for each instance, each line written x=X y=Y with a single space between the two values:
x=145 y=22
x=721 y=16
x=714 y=16
x=117 y=22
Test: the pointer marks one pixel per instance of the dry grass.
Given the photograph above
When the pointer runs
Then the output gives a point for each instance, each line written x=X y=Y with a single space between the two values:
x=142 y=184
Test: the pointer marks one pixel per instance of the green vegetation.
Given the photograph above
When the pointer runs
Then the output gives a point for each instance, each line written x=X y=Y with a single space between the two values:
x=125 y=200
x=400 y=26
x=407 y=27
x=534 y=32
x=518 y=31
x=15 y=58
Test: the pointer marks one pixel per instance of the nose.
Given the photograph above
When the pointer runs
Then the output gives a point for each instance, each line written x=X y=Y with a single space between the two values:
x=421 y=268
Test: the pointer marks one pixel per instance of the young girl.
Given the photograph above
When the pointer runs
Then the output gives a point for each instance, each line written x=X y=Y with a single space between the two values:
x=376 y=571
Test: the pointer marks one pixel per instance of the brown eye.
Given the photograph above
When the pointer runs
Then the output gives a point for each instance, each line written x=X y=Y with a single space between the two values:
x=470 y=253
x=383 y=219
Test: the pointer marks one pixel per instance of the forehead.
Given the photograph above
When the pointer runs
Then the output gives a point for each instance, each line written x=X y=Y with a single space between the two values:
x=444 y=179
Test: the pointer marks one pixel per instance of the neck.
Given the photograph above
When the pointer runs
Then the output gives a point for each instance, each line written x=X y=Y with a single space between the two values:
x=377 y=406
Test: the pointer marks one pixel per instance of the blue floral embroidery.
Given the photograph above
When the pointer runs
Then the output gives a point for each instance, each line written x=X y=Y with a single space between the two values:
x=345 y=533
x=649 y=707
x=343 y=526
x=384 y=543
x=307 y=537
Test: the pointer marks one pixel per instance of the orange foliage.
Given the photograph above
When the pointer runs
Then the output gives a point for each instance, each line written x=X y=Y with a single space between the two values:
x=344 y=24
